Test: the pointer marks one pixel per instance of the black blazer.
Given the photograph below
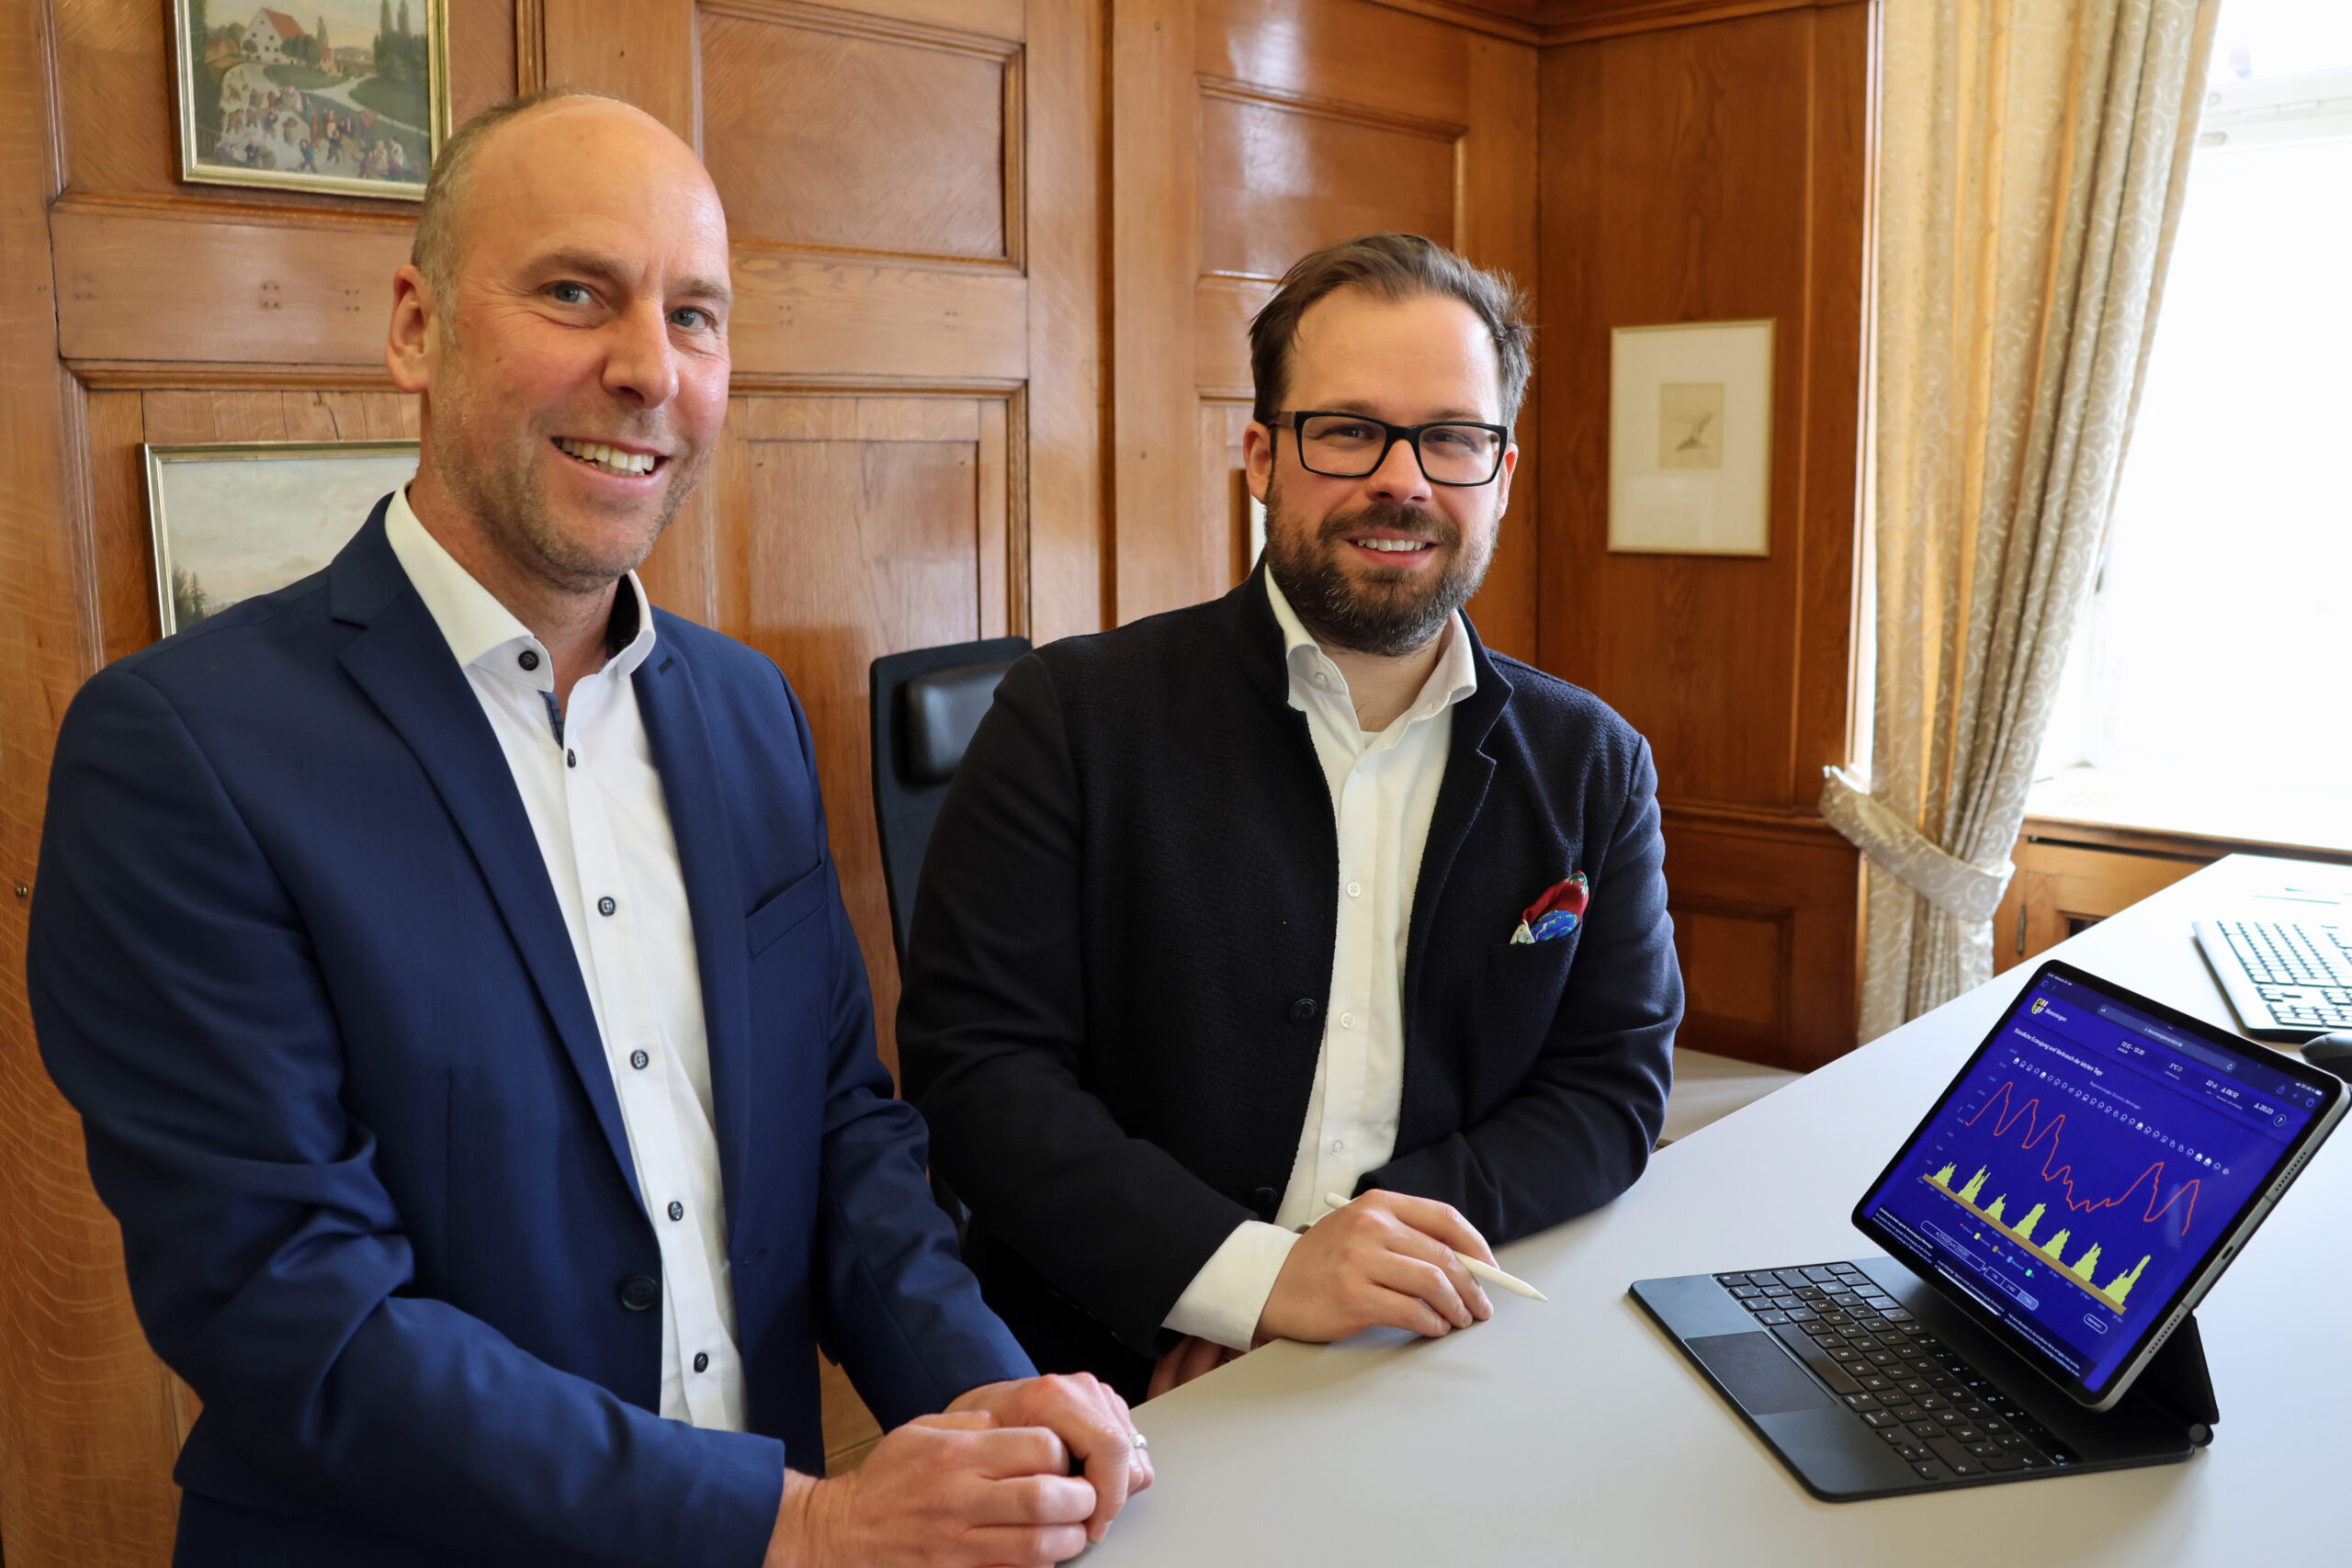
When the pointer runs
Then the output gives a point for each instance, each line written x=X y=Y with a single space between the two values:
x=1123 y=944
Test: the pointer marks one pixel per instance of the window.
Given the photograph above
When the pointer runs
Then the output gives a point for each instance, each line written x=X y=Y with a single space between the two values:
x=2209 y=687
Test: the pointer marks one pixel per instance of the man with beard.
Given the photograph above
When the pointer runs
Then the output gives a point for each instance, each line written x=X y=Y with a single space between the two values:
x=445 y=958
x=1299 y=893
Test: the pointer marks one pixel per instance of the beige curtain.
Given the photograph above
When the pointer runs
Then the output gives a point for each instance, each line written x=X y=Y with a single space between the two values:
x=2032 y=155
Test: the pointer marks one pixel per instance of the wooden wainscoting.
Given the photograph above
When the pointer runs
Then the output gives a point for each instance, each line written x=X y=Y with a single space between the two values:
x=1719 y=171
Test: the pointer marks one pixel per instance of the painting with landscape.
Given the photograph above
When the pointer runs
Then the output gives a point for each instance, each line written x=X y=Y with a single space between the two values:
x=231 y=522
x=342 y=95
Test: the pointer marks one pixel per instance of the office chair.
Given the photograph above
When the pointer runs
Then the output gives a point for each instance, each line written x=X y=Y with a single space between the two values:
x=926 y=704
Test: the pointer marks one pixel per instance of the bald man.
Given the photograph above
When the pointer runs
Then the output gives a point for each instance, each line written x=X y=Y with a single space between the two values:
x=444 y=956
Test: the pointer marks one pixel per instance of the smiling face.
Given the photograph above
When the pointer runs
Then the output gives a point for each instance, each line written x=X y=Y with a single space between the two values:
x=1378 y=564
x=578 y=397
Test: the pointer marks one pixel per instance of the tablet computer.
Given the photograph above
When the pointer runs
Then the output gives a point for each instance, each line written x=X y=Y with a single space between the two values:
x=2092 y=1170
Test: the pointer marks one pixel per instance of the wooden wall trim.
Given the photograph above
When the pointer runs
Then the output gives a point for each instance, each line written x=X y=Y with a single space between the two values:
x=865 y=25
x=1578 y=21
x=1511 y=21
x=1328 y=108
x=144 y=375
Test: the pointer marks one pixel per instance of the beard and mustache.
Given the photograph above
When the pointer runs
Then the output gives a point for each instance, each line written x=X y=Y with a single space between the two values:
x=1383 y=610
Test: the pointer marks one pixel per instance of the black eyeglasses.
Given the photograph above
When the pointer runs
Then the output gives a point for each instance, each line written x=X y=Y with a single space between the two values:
x=1351 y=446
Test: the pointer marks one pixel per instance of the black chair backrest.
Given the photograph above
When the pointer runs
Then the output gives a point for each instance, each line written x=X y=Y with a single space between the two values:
x=926 y=704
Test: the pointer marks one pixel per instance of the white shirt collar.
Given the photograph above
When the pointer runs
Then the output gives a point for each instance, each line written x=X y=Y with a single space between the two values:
x=1454 y=676
x=474 y=623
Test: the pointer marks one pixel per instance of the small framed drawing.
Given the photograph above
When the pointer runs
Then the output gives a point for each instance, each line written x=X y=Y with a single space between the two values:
x=234 y=521
x=350 y=97
x=1691 y=439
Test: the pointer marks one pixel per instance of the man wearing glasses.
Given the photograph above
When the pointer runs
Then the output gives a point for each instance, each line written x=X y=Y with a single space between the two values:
x=1299 y=894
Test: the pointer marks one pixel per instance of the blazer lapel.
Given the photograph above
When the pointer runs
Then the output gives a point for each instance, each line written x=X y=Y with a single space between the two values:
x=403 y=663
x=680 y=737
x=1469 y=768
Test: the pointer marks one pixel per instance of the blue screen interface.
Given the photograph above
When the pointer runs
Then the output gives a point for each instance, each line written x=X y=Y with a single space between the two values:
x=2082 y=1169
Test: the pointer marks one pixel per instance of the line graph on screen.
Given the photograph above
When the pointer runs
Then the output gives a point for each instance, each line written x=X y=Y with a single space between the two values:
x=2034 y=1230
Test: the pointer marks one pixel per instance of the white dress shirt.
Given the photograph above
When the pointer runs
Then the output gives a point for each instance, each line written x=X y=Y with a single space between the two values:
x=594 y=800
x=1383 y=789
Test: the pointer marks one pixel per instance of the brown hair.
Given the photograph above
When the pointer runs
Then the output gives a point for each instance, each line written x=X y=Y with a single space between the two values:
x=438 y=244
x=1396 y=267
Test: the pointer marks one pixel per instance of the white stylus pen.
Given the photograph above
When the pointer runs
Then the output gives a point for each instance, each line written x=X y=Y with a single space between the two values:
x=1486 y=1271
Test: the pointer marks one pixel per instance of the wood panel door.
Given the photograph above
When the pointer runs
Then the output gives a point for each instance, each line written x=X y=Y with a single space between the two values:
x=1246 y=133
x=912 y=456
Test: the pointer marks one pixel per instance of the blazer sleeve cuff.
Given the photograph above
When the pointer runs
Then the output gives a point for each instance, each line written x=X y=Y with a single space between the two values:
x=1225 y=1299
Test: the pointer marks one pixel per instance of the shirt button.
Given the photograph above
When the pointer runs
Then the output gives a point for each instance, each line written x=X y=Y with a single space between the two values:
x=1347 y=1021
x=1339 y=1146
x=677 y=1210
x=702 y=1361
x=571 y=758
x=1355 y=889
x=637 y=1059
x=606 y=905
x=527 y=659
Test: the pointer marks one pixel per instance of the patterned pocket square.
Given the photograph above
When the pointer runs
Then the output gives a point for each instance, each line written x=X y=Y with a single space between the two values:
x=1559 y=911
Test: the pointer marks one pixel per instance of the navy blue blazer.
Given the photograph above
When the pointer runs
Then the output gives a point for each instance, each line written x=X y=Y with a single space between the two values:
x=296 y=959
x=1120 y=962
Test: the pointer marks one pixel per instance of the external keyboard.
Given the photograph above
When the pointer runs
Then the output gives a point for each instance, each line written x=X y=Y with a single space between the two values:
x=2300 y=975
x=1949 y=1420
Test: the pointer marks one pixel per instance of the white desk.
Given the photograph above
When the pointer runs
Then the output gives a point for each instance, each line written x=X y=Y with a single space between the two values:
x=1575 y=1432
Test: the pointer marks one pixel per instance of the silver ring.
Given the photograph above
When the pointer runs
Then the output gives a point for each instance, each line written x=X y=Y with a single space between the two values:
x=1140 y=1441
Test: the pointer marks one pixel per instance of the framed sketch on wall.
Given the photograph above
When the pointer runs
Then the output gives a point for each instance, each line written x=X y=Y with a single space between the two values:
x=234 y=521
x=345 y=96
x=1691 y=439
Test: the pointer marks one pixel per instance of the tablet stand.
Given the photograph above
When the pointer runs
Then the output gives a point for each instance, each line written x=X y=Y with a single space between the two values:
x=2175 y=1379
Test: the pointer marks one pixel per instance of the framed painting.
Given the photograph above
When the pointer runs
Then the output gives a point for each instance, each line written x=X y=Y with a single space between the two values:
x=347 y=97
x=231 y=522
x=1691 y=439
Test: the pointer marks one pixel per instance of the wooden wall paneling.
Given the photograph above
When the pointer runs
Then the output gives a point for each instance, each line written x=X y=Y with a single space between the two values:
x=918 y=153
x=1716 y=171
x=857 y=533
x=1153 y=262
x=142 y=281
x=86 y=1436
x=1764 y=924
x=1056 y=575
x=1498 y=229
x=643 y=51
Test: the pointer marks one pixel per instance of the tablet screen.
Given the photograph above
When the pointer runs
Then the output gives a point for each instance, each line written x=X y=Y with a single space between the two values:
x=2083 y=1168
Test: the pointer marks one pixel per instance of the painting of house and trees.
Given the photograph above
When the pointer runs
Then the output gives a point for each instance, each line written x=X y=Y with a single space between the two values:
x=342 y=95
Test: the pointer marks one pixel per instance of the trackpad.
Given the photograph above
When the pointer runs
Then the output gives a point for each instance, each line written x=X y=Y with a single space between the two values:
x=1758 y=1374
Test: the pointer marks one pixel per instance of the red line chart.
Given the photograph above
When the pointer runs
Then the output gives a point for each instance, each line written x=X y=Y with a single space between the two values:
x=2035 y=1130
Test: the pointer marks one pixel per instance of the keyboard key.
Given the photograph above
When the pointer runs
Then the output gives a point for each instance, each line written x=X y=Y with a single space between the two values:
x=1869 y=1380
x=1768 y=1316
x=1983 y=1451
x=2000 y=1461
x=1909 y=1412
x=1880 y=1417
x=1916 y=1452
x=1931 y=1472
x=1862 y=1402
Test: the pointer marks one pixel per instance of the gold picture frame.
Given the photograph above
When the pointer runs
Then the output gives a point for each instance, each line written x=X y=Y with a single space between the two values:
x=234 y=519
x=276 y=101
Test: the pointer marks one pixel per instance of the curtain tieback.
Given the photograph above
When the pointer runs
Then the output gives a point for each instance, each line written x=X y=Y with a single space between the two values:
x=1959 y=888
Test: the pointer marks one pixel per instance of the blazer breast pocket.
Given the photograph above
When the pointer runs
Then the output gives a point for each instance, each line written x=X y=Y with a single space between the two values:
x=783 y=911
x=1525 y=979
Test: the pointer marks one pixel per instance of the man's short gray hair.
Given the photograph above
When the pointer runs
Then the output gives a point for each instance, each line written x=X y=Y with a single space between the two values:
x=440 y=245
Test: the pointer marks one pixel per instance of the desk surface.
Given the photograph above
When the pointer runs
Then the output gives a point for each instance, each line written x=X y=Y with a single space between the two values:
x=1575 y=1431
